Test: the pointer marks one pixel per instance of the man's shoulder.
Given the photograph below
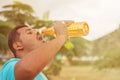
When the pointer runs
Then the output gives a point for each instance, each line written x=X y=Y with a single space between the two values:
x=7 y=71
x=10 y=62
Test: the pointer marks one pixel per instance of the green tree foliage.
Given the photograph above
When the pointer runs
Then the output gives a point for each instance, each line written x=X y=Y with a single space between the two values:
x=4 y=29
x=15 y=14
x=81 y=46
x=111 y=59
x=18 y=13
x=75 y=47
x=108 y=47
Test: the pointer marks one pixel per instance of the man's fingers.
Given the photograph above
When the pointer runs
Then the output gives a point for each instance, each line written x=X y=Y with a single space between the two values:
x=68 y=22
x=64 y=22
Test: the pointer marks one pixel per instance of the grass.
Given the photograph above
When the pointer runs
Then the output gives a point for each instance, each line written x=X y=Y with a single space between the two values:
x=86 y=73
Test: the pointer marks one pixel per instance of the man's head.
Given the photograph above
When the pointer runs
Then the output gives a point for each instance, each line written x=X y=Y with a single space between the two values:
x=22 y=38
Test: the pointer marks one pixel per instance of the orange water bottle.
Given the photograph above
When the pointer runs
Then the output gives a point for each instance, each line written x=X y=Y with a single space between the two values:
x=76 y=29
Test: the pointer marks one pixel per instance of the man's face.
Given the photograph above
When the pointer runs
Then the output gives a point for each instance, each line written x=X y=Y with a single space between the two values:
x=29 y=37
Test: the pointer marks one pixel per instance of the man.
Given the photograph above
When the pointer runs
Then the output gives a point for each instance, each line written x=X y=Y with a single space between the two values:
x=31 y=53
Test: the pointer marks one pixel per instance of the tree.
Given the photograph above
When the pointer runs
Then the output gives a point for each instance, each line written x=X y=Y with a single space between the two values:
x=18 y=13
x=108 y=48
x=4 y=29
x=15 y=14
x=111 y=59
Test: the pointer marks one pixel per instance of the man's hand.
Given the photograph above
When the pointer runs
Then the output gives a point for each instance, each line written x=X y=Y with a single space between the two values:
x=68 y=22
x=61 y=28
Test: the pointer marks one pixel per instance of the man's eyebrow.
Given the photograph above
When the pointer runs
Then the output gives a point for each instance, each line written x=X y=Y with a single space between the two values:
x=28 y=29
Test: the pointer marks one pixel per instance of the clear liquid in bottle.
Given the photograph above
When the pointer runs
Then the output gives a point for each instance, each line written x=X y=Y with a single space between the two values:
x=76 y=29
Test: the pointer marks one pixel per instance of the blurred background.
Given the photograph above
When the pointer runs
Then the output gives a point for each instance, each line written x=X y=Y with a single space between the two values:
x=92 y=57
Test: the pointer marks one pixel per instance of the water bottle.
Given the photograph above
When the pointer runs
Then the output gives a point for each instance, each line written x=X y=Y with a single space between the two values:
x=75 y=29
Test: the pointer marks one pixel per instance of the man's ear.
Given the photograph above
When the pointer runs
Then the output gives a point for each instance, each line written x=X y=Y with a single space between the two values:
x=17 y=45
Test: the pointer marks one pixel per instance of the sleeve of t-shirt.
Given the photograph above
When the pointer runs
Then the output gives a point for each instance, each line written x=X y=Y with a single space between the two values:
x=7 y=72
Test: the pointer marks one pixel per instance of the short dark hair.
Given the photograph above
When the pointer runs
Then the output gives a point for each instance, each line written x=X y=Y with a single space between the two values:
x=14 y=36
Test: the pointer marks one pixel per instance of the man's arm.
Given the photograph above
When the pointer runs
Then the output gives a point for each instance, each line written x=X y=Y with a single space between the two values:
x=30 y=65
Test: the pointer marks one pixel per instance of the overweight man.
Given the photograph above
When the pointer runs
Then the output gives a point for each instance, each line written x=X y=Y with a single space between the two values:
x=31 y=52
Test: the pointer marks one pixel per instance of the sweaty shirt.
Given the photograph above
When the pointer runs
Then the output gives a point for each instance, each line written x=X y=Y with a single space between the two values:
x=7 y=71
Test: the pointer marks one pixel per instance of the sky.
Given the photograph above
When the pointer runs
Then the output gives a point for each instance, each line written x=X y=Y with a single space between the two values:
x=102 y=16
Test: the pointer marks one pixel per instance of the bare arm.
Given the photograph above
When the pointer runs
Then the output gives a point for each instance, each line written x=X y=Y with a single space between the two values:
x=29 y=66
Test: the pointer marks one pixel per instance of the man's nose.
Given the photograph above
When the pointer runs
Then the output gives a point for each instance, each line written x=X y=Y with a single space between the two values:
x=37 y=31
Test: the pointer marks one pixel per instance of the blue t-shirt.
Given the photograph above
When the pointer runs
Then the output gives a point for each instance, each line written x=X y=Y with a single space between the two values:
x=7 y=71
